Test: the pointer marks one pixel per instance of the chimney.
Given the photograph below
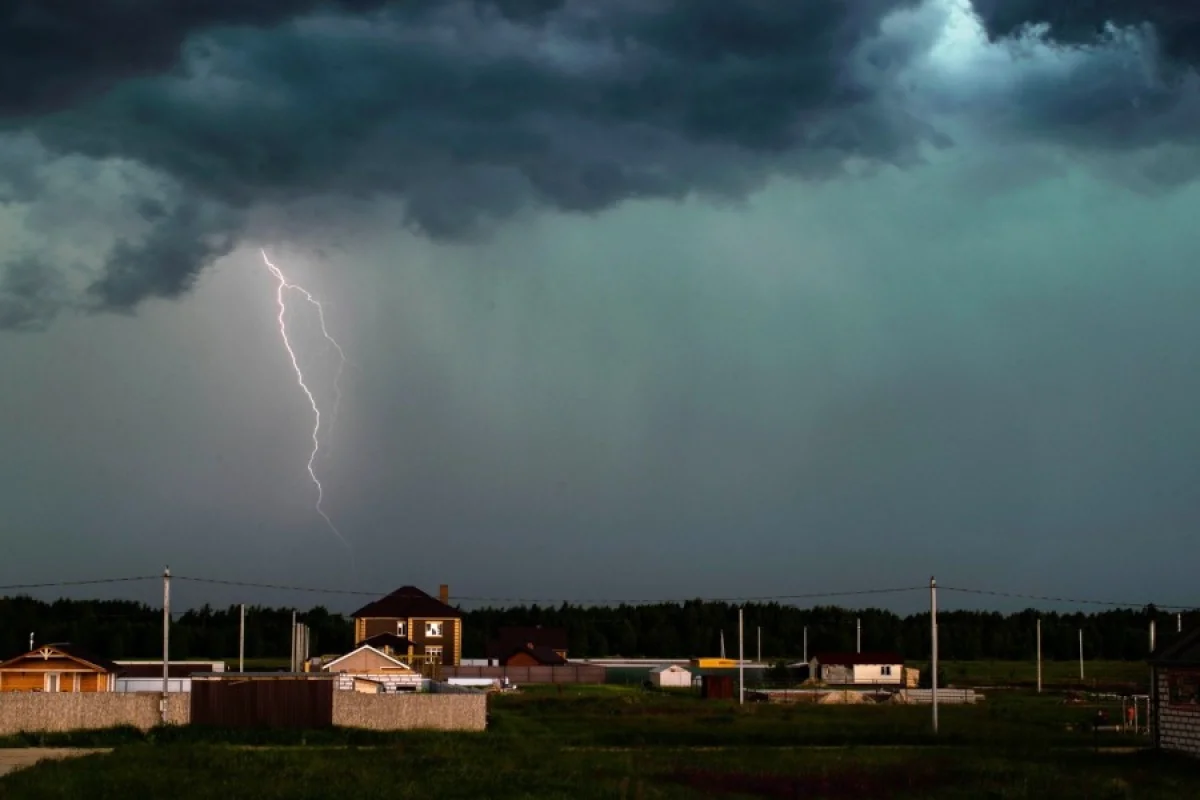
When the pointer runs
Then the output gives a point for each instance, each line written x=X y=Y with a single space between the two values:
x=444 y=593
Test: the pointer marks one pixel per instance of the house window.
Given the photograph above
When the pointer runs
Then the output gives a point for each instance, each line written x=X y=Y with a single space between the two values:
x=52 y=682
x=402 y=628
x=433 y=630
x=1184 y=689
x=886 y=669
x=434 y=652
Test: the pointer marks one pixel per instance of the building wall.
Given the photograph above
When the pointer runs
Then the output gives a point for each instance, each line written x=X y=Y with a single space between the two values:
x=873 y=674
x=30 y=676
x=1177 y=727
x=671 y=678
x=43 y=712
x=450 y=641
x=391 y=682
x=389 y=712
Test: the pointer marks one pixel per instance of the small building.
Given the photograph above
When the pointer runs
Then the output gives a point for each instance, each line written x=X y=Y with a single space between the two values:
x=431 y=626
x=670 y=675
x=58 y=668
x=848 y=669
x=1175 y=695
x=510 y=639
x=532 y=655
x=386 y=672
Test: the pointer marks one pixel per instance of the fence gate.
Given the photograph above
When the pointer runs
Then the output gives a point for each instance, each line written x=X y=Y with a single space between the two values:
x=262 y=703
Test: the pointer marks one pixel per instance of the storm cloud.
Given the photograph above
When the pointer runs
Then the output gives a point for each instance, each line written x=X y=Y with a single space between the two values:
x=472 y=111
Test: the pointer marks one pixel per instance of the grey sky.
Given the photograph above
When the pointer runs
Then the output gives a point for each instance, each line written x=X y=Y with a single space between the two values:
x=957 y=337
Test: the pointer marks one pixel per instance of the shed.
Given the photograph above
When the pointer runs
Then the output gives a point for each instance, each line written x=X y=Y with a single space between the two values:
x=1175 y=695
x=670 y=675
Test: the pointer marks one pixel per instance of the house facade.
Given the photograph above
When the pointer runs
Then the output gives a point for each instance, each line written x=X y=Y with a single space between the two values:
x=670 y=675
x=58 y=668
x=431 y=627
x=383 y=671
x=1175 y=695
x=845 y=669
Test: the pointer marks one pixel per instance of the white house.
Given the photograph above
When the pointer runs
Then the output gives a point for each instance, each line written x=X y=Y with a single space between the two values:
x=376 y=666
x=870 y=669
x=670 y=675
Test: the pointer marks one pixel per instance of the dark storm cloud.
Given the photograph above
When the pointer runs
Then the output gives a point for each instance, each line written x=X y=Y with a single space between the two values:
x=1129 y=81
x=466 y=111
x=1175 y=23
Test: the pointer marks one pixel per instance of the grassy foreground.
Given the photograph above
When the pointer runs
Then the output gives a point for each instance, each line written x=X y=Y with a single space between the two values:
x=613 y=742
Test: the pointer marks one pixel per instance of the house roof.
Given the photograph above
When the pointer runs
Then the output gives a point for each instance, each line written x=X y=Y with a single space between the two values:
x=1183 y=652
x=545 y=656
x=407 y=602
x=387 y=640
x=385 y=656
x=70 y=651
x=853 y=659
x=668 y=668
x=511 y=638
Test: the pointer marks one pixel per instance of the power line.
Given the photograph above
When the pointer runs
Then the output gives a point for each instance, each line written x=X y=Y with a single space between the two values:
x=57 y=584
x=1070 y=600
x=602 y=601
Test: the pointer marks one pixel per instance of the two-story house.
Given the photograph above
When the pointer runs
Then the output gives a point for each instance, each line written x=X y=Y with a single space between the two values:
x=430 y=627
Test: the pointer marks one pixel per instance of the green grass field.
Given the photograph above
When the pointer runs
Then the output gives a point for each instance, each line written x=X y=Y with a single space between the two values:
x=618 y=742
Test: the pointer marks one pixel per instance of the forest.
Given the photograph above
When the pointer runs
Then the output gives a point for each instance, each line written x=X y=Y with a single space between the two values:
x=119 y=629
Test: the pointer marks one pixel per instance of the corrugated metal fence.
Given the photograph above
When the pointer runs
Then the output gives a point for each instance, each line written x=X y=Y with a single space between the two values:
x=571 y=673
x=263 y=703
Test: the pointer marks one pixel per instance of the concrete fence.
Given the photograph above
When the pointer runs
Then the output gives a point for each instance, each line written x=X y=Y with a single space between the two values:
x=42 y=712
x=392 y=712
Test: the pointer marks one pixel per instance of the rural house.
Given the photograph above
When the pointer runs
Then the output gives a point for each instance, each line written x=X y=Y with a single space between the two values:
x=58 y=668
x=529 y=646
x=431 y=627
x=843 y=669
x=668 y=675
x=375 y=666
x=1175 y=695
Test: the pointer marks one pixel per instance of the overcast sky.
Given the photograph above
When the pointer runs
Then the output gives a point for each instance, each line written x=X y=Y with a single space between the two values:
x=641 y=299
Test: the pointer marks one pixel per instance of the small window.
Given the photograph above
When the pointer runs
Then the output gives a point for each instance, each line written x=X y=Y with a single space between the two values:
x=52 y=682
x=886 y=669
x=402 y=628
x=433 y=629
x=434 y=652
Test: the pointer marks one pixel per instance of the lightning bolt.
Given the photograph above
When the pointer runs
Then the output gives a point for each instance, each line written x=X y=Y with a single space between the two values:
x=283 y=286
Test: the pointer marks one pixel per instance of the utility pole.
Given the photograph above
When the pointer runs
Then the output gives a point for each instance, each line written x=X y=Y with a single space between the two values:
x=722 y=643
x=741 y=662
x=242 y=639
x=1178 y=623
x=759 y=644
x=31 y=641
x=1153 y=627
x=293 y=663
x=933 y=678
x=166 y=640
x=805 y=644
x=858 y=635
x=1039 y=654
x=1081 y=654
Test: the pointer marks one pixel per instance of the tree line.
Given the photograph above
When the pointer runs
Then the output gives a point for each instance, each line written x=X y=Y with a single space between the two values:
x=118 y=629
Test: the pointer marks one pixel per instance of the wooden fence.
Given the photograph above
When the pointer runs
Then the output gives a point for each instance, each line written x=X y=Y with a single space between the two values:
x=570 y=673
x=278 y=703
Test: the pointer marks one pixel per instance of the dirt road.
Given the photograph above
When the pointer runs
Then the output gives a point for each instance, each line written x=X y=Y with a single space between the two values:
x=12 y=759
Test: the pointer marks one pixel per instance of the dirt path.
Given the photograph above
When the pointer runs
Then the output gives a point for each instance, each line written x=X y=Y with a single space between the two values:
x=13 y=759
